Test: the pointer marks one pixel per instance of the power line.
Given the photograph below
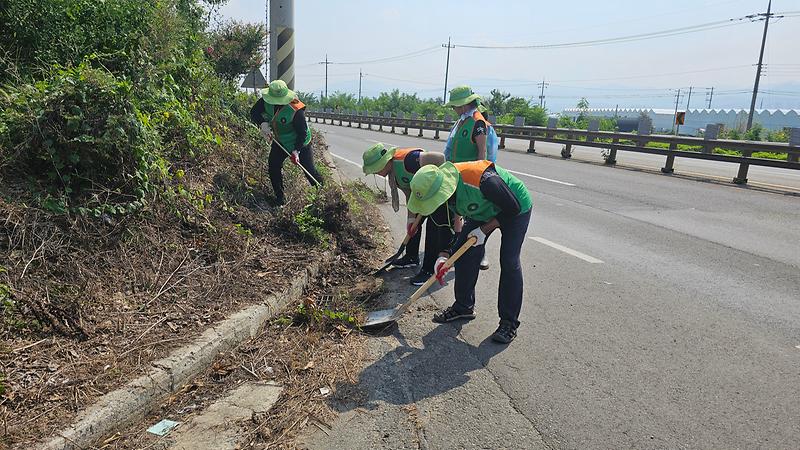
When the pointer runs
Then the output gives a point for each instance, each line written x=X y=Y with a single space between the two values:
x=630 y=38
x=414 y=54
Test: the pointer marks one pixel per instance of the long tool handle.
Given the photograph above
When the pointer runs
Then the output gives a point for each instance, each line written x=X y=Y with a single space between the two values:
x=449 y=263
x=415 y=226
x=274 y=140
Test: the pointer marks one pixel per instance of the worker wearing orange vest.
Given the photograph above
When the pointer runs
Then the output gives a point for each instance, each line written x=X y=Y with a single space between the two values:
x=467 y=139
x=490 y=198
x=280 y=117
x=399 y=165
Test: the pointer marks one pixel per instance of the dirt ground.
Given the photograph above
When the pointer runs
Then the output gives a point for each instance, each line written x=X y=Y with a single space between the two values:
x=93 y=301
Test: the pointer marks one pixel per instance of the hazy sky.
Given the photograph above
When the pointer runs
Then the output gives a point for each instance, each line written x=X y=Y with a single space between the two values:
x=632 y=74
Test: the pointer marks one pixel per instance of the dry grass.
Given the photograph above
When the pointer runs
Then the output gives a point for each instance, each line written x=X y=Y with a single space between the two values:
x=93 y=301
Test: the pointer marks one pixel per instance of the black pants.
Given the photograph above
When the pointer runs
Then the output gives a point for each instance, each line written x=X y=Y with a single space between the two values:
x=438 y=233
x=509 y=293
x=275 y=166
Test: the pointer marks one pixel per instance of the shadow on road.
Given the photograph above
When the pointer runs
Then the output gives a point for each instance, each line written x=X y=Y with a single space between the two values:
x=408 y=374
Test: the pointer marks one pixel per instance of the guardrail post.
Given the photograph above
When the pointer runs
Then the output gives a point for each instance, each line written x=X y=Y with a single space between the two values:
x=350 y=118
x=741 y=177
x=611 y=159
x=379 y=118
x=447 y=119
x=552 y=122
x=594 y=125
x=566 y=152
x=388 y=115
x=428 y=117
x=644 y=129
x=794 y=144
x=711 y=134
x=403 y=116
x=670 y=159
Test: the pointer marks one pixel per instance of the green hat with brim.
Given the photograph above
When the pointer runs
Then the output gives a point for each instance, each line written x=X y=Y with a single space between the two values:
x=462 y=95
x=376 y=157
x=431 y=187
x=278 y=93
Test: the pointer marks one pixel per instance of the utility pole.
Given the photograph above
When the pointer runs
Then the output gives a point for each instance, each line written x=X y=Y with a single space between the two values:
x=710 y=96
x=281 y=42
x=327 y=63
x=541 y=96
x=766 y=18
x=446 y=68
x=688 y=101
x=266 y=48
x=360 y=76
x=676 y=127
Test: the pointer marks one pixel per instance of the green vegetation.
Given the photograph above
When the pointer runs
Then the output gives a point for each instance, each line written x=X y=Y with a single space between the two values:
x=500 y=104
x=102 y=103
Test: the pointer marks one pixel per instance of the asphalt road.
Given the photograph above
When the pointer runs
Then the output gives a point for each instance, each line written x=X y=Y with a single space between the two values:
x=659 y=312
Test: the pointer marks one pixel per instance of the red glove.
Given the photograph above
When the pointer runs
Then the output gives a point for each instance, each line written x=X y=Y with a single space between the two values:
x=440 y=269
x=295 y=157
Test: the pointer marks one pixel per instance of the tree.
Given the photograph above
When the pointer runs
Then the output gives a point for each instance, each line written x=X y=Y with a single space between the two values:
x=236 y=48
x=309 y=98
x=496 y=104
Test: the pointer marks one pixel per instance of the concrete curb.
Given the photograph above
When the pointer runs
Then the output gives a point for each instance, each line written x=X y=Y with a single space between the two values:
x=135 y=400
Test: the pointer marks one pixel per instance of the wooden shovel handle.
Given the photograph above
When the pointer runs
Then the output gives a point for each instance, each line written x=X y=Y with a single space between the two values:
x=416 y=224
x=449 y=263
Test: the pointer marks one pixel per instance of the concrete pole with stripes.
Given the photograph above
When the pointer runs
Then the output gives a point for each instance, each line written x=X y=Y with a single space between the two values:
x=281 y=42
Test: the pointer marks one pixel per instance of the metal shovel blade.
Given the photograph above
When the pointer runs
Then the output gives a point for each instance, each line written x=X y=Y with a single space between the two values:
x=382 y=317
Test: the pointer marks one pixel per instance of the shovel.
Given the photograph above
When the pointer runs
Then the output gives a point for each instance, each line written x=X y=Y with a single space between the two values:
x=400 y=250
x=386 y=316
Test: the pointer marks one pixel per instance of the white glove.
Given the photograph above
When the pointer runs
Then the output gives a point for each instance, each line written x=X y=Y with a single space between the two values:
x=266 y=131
x=479 y=234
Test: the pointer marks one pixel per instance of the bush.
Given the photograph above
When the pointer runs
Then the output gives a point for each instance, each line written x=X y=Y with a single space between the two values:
x=236 y=48
x=79 y=139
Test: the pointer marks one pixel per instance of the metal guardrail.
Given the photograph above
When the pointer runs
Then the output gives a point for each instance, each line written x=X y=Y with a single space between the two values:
x=612 y=141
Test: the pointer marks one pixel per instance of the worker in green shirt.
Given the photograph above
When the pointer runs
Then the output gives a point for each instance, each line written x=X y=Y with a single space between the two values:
x=399 y=165
x=279 y=114
x=489 y=198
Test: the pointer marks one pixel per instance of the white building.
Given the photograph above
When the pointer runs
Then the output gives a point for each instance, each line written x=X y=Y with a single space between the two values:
x=696 y=119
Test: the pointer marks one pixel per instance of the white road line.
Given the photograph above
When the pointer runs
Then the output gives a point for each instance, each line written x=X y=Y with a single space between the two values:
x=797 y=347
x=346 y=160
x=567 y=250
x=384 y=142
x=541 y=178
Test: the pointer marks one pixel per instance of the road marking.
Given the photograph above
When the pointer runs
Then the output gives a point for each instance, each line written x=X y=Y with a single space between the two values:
x=541 y=178
x=567 y=250
x=346 y=160
x=797 y=347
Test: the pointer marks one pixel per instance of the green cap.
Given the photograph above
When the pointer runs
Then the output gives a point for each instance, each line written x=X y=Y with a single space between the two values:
x=376 y=157
x=462 y=95
x=431 y=187
x=278 y=93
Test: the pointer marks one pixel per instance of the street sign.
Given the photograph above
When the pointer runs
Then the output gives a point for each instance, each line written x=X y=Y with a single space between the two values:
x=254 y=80
x=680 y=117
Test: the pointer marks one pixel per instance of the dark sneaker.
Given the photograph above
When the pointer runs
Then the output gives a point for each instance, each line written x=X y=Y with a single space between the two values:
x=420 y=278
x=450 y=314
x=484 y=264
x=405 y=261
x=505 y=333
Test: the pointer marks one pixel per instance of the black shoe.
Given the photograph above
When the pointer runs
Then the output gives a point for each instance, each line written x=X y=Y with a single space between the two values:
x=405 y=261
x=450 y=314
x=505 y=333
x=420 y=278
x=484 y=264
